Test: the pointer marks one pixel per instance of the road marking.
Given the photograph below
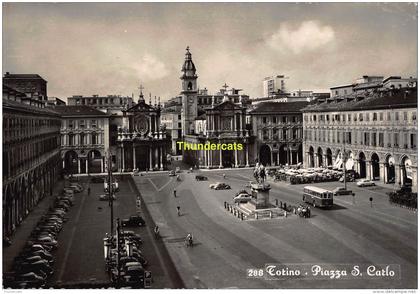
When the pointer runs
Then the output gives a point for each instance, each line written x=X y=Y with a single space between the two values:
x=66 y=255
x=153 y=184
x=163 y=187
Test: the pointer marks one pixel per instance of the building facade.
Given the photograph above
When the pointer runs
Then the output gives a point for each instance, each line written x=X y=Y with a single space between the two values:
x=31 y=156
x=141 y=139
x=84 y=139
x=278 y=129
x=377 y=131
x=32 y=85
x=109 y=104
x=224 y=124
x=274 y=85
x=173 y=126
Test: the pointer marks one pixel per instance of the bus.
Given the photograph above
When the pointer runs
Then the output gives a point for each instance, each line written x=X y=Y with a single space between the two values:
x=317 y=196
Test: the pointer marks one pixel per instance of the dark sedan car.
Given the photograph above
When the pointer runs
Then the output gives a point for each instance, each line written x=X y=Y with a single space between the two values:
x=201 y=178
x=132 y=221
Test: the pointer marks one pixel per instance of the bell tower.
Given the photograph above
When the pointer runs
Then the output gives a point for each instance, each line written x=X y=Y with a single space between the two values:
x=189 y=94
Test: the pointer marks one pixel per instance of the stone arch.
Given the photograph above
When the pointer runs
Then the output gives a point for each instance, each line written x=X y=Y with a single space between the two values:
x=265 y=155
x=406 y=170
x=374 y=158
x=283 y=154
x=94 y=158
x=71 y=162
x=311 y=156
x=328 y=157
x=389 y=169
x=362 y=164
x=320 y=156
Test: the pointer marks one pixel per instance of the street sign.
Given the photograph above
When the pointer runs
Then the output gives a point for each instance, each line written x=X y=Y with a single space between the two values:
x=138 y=202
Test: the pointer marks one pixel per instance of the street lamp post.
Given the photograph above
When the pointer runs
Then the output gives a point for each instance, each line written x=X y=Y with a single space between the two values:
x=110 y=194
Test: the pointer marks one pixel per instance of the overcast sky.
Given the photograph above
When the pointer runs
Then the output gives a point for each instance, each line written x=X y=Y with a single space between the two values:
x=110 y=48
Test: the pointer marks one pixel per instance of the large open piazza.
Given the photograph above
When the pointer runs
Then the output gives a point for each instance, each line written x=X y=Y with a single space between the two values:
x=228 y=251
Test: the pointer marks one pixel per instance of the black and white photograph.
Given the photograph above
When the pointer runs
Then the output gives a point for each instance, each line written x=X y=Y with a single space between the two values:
x=210 y=145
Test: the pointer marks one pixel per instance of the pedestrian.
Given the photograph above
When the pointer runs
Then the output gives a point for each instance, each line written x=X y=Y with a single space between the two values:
x=285 y=214
x=175 y=193
x=309 y=212
x=88 y=190
x=178 y=209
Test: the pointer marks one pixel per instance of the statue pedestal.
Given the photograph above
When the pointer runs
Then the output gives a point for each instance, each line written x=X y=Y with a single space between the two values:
x=260 y=195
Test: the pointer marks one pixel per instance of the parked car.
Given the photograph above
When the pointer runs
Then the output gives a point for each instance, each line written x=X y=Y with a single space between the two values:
x=76 y=187
x=365 y=183
x=115 y=186
x=172 y=173
x=201 y=178
x=177 y=169
x=242 y=197
x=219 y=186
x=133 y=220
x=105 y=197
x=341 y=191
x=348 y=179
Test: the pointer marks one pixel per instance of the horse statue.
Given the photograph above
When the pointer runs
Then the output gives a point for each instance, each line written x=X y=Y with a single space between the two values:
x=260 y=173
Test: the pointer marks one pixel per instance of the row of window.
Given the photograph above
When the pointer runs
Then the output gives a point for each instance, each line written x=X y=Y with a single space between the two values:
x=101 y=101
x=22 y=157
x=82 y=139
x=285 y=134
x=15 y=126
x=283 y=119
x=375 y=139
x=368 y=116
x=82 y=124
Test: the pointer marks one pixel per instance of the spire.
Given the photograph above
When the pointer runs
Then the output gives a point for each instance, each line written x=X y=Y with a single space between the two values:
x=188 y=67
x=159 y=101
x=155 y=101
x=150 y=98
x=141 y=97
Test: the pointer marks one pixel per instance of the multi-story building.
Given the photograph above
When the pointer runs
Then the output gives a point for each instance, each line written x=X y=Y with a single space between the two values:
x=371 y=84
x=32 y=85
x=278 y=131
x=274 y=85
x=112 y=104
x=84 y=139
x=31 y=156
x=377 y=130
x=54 y=101
x=173 y=127
x=293 y=96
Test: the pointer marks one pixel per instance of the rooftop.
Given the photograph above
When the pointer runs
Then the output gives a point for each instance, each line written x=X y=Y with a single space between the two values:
x=78 y=110
x=400 y=98
x=22 y=76
x=279 y=107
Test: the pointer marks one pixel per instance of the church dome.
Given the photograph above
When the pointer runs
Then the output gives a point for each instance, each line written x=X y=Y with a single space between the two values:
x=188 y=67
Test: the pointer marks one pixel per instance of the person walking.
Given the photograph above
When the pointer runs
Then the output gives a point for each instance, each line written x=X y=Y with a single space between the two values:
x=175 y=193
x=88 y=190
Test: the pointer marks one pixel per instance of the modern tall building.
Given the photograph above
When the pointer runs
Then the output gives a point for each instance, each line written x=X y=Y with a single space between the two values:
x=274 y=85
x=31 y=155
x=32 y=85
x=376 y=131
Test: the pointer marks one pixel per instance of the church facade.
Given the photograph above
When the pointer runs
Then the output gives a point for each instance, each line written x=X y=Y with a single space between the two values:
x=141 y=142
